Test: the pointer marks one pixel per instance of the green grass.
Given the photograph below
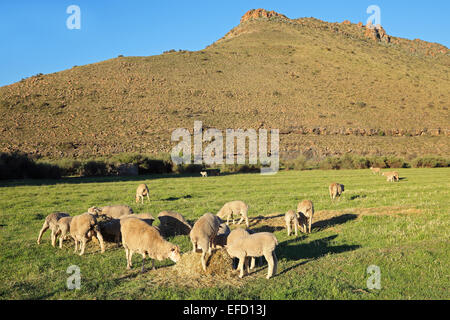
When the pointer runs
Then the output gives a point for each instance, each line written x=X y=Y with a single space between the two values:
x=407 y=236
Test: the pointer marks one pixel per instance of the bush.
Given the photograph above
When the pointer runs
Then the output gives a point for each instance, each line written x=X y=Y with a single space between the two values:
x=20 y=166
x=187 y=168
x=299 y=163
x=431 y=162
x=93 y=169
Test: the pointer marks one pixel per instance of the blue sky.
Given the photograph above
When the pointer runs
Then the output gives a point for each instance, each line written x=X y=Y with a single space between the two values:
x=35 y=38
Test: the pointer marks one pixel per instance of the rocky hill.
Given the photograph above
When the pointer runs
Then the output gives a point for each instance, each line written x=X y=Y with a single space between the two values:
x=330 y=88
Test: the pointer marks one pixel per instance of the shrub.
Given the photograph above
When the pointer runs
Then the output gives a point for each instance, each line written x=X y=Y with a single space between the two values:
x=93 y=169
x=19 y=166
x=431 y=162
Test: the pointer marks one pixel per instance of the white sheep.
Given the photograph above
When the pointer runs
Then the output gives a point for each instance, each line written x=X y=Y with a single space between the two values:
x=63 y=229
x=220 y=240
x=138 y=236
x=203 y=233
x=305 y=212
x=51 y=222
x=114 y=212
x=141 y=192
x=82 y=228
x=336 y=190
x=255 y=245
x=204 y=173
x=234 y=238
x=234 y=208
x=291 y=219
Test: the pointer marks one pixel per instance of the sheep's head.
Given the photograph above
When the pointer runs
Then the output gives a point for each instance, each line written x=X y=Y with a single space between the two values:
x=95 y=211
x=174 y=254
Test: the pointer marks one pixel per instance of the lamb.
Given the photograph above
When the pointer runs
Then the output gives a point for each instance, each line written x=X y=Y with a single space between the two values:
x=255 y=245
x=234 y=207
x=204 y=173
x=111 y=211
x=82 y=228
x=235 y=236
x=172 y=223
x=138 y=236
x=291 y=218
x=220 y=240
x=391 y=176
x=63 y=229
x=375 y=170
x=203 y=233
x=51 y=223
x=141 y=191
x=305 y=212
x=336 y=190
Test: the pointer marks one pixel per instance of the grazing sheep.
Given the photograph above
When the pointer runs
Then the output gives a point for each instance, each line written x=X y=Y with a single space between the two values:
x=147 y=217
x=220 y=240
x=255 y=245
x=138 y=236
x=172 y=223
x=305 y=213
x=114 y=212
x=110 y=230
x=234 y=207
x=141 y=192
x=63 y=229
x=291 y=218
x=203 y=233
x=375 y=170
x=391 y=176
x=336 y=190
x=82 y=228
x=204 y=173
x=51 y=223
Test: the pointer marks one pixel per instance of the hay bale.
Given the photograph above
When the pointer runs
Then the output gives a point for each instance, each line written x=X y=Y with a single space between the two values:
x=218 y=264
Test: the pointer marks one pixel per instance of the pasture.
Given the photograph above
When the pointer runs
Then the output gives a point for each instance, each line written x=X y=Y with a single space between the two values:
x=401 y=227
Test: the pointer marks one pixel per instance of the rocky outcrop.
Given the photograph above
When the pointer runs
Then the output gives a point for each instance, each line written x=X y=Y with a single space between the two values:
x=376 y=33
x=260 y=13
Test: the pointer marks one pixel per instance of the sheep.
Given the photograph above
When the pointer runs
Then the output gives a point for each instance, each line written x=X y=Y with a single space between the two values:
x=220 y=240
x=173 y=223
x=51 y=223
x=235 y=236
x=375 y=170
x=82 y=228
x=291 y=218
x=115 y=211
x=110 y=230
x=147 y=217
x=336 y=190
x=204 y=173
x=203 y=233
x=234 y=207
x=141 y=191
x=391 y=176
x=305 y=213
x=255 y=245
x=63 y=229
x=138 y=236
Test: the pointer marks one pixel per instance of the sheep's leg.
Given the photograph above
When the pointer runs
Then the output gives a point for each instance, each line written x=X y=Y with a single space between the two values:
x=252 y=265
x=270 y=262
x=53 y=236
x=148 y=197
x=275 y=263
x=83 y=246
x=76 y=246
x=296 y=227
x=61 y=238
x=44 y=228
x=241 y=266
x=99 y=237
x=246 y=265
x=194 y=246
x=228 y=220
x=153 y=264
x=203 y=259
x=309 y=223
x=143 y=262
x=127 y=253
x=288 y=227
x=130 y=255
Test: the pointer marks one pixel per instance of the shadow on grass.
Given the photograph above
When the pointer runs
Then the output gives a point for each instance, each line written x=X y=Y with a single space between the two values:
x=312 y=250
x=188 y=196
x=324 y=224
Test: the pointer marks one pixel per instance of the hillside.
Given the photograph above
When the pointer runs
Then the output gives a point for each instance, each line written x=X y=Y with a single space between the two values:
x=330 y=88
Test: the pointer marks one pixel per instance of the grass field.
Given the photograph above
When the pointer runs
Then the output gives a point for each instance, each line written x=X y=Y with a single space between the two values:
x=401 y=227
